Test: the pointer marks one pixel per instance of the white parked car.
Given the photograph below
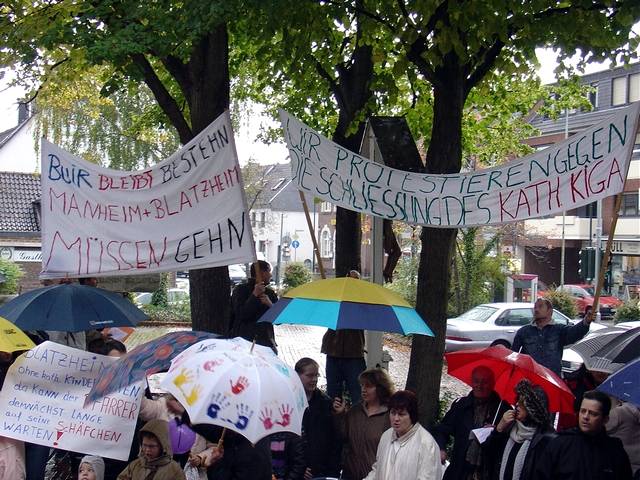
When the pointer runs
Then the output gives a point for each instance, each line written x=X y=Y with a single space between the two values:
x=174 y=296
x=491 y=324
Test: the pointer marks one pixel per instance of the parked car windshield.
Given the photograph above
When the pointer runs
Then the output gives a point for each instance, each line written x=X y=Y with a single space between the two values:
x=477 y=314
x=589 y=290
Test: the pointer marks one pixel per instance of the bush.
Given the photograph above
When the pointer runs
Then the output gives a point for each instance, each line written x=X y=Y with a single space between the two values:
x=628 y=312
x=159 y=297
x=295 y=274
x=12 y=273
x=405 y=279
x=180 y=312
x=563 y=302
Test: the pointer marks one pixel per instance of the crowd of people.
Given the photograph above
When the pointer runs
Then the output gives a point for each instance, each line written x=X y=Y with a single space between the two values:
x=361 y=428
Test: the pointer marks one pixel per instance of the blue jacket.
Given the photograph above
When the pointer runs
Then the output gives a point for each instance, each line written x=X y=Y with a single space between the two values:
x=545 y=345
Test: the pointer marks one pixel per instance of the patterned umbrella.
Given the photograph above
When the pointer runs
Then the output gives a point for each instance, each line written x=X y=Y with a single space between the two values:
x=146 y=359
x=235 y=385
x=339 y=303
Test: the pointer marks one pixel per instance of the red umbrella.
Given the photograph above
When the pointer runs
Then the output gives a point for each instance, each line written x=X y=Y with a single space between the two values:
x=509 y=368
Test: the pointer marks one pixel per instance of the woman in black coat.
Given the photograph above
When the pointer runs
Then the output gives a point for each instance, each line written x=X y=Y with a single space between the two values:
x=322 y=444
x=515 y=446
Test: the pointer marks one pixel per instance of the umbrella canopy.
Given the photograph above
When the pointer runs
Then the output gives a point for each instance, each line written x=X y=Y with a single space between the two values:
x=588 y=347
x=71 y=308
x=229 y=384
x=339 y=303
x=12 y=339
x=509 y=368
x=624 y=384
x=623 y=348
x=146 y=359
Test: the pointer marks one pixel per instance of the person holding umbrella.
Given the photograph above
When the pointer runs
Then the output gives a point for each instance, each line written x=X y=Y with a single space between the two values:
x=514 y=448
x=478 y=409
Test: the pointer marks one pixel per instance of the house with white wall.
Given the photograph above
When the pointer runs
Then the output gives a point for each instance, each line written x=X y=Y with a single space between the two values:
x=17 y=147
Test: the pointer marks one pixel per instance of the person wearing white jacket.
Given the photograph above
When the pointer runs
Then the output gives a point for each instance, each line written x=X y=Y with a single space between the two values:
x=406 y=450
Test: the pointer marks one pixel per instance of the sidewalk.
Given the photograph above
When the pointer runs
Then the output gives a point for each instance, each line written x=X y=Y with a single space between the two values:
x=296 y=341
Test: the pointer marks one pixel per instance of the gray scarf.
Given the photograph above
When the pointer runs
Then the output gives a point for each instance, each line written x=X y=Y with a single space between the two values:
x=519 y=433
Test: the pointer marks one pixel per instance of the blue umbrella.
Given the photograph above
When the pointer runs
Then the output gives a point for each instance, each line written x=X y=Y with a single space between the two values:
x=71 y=308
x=624 y=383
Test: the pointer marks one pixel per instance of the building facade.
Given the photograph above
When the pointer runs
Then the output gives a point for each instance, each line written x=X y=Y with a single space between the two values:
x=540 y=249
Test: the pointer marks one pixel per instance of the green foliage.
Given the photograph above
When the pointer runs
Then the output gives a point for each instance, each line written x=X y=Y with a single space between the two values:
x=476 y=270
x=295 y=274
x=125 y=130
x=179 y=312
x=159 y=297
x=405 y=278
x=12 y=273
x=562 y=301
x=628 y=312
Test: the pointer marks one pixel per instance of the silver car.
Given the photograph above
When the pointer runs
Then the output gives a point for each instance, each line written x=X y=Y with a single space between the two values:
x=491 y=324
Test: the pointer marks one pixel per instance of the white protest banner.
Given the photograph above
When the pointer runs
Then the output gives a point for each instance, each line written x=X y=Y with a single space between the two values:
x=187 y=212
x=42 y=402
x=588 y=166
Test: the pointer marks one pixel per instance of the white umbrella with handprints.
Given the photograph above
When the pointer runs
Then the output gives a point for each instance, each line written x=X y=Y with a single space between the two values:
x=230 y=384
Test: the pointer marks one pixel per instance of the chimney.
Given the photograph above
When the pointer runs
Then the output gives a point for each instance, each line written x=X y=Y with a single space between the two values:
x=23 y=112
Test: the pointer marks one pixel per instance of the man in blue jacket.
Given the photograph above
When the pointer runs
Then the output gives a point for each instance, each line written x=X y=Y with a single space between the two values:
x=544 y=340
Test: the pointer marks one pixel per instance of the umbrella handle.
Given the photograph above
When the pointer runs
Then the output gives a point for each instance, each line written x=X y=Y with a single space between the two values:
x=497 y=411
x=221 y=439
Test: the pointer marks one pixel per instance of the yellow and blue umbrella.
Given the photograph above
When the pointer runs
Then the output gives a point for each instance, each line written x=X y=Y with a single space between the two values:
x=340 y=303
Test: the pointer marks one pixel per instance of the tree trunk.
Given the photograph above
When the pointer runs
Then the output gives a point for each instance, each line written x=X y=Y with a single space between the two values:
x=348 y=231
x=352 y=93
x=208 y=70
x=443 y=156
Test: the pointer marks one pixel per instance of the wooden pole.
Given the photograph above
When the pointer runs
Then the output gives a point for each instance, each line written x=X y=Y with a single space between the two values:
x=316 y=250
x=607 y=253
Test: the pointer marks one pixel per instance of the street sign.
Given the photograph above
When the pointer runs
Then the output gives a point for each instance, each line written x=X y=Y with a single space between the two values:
x=295 y=244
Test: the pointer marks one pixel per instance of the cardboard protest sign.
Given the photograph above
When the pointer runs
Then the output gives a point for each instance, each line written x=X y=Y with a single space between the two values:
x=588 y=166
x=42 y=402
x=187 y=212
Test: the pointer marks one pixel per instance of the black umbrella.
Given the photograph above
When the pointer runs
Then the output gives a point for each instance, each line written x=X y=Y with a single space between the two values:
x=587 y=348
x=71 y=308
x=623 y=348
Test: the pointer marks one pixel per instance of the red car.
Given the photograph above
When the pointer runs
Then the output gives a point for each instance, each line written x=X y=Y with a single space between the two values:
x=583 y=296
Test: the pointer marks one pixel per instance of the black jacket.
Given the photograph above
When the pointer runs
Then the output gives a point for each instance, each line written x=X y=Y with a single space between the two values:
x=322 y=442
x=287 y=456
x=573 y=455
x=494 y=446
x=458 y=422
x=247 y=309
x=241 y=459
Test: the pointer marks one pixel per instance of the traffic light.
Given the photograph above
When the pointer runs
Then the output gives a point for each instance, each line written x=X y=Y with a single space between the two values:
x=587 y=263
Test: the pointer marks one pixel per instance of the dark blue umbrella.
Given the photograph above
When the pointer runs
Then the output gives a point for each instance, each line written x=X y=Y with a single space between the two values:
x=624 y=383
x=71 y=308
